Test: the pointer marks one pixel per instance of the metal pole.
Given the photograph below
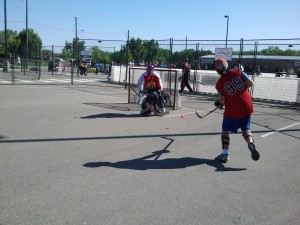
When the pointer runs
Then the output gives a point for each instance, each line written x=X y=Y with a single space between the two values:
x=52 y=58
x=227 y=30
x=76 y=55
x=5 y=25
x=127 y=55
x=26 y=33
x=40 y=61
x=75 y=27
x=72 y=65
x=241 y=52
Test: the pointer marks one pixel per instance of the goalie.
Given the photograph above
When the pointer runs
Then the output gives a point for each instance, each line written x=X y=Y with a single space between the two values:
x=150 y=87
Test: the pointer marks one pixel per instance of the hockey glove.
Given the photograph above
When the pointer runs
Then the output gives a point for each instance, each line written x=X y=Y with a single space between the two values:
x=218 y=103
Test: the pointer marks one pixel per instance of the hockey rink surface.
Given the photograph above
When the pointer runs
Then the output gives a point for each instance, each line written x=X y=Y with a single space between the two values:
x=79 y=154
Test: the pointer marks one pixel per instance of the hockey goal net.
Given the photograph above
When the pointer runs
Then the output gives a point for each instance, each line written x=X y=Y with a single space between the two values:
x=170 y=86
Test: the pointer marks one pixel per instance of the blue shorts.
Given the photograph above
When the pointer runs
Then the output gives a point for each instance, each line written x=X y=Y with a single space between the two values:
x=233 y=125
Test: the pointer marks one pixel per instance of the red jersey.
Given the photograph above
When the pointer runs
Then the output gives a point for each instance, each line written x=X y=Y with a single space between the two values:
x=186 y=68
x=238 y=103
x=152 y=83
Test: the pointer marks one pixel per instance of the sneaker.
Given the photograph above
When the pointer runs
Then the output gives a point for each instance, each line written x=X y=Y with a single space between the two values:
x=254 y=153
x=223 y=158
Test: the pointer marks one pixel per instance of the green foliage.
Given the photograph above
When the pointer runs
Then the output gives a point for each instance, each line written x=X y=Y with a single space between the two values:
x=34 y=44
x=12 y=43
x=92 y=70
x=100 y=56
x=271 y=50
x=136 y=49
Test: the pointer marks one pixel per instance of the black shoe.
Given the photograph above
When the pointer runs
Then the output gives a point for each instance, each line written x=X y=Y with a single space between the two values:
x=180 y=92
x=254 y=153
x=222 y=158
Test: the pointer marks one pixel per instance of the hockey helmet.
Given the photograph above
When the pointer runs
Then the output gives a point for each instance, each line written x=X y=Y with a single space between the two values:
x=221 y=65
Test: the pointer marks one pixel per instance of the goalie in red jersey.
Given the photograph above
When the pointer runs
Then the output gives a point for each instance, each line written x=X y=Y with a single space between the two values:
x=233 y=92
x=150 y=87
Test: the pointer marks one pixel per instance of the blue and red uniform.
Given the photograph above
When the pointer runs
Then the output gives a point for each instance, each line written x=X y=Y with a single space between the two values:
x=232 y=86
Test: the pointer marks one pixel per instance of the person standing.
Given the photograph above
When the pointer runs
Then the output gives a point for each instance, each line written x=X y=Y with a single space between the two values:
x=97 y=67
x=238 y=66
x=18 y=61
x=232 y=88
x=186 y=69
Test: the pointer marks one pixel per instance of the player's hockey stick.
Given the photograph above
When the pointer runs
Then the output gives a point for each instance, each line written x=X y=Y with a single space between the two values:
x=151 y=108
x=211 y=111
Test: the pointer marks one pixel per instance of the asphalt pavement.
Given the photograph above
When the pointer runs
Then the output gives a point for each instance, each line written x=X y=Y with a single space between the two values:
x=80 y=154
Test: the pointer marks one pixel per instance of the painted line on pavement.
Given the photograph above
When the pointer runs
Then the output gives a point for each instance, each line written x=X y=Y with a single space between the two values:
x=280 y=129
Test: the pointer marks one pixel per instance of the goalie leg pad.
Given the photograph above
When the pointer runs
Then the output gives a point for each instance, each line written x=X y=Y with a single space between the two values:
x=248 y=136
x=225 y=141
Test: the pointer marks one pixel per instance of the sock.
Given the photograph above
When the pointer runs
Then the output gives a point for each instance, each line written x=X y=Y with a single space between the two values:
x=225 y=151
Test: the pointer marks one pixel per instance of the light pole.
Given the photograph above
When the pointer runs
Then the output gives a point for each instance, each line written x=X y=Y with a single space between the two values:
x=226 y=29
x=5 y=31
x=76 y=43
x=78 y=33
x=27 y=33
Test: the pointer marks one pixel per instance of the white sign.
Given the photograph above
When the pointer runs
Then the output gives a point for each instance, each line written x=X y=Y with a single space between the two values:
x=86 y=54
x=225 y=53
x=207 y=61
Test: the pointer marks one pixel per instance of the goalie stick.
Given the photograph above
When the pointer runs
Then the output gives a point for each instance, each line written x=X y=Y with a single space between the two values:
x=151 y=108
x=211 y=111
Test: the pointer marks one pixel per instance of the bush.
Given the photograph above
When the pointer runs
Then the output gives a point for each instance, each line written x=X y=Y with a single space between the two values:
x=92 y=70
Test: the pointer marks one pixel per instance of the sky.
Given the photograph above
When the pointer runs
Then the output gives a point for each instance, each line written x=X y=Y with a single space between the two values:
x=54 y=20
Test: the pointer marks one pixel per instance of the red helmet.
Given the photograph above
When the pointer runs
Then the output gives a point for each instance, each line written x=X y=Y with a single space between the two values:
x=221 y=65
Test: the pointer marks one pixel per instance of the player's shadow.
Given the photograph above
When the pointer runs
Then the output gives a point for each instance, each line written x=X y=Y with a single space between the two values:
x=171 y=163
x=151 y=162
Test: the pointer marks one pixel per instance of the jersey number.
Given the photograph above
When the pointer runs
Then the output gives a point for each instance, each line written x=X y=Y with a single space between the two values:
x=235 y=85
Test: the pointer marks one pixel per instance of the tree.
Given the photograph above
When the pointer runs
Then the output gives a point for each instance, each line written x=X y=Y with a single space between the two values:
x=67 y=51
x=96 y=54
x=12 y=43
x=34 y=44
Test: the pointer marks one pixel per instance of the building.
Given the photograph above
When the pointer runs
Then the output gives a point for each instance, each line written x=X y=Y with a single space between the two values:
x=268 y=64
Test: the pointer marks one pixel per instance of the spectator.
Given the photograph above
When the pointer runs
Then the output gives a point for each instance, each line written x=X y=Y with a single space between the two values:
x=257 y=71
x=238 y=66
x=18 y=61
x=97 y=66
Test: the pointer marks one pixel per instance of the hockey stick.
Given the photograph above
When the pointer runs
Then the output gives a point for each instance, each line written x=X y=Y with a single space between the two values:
x=197 y=82
x=211 y=111
x=151 y=108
